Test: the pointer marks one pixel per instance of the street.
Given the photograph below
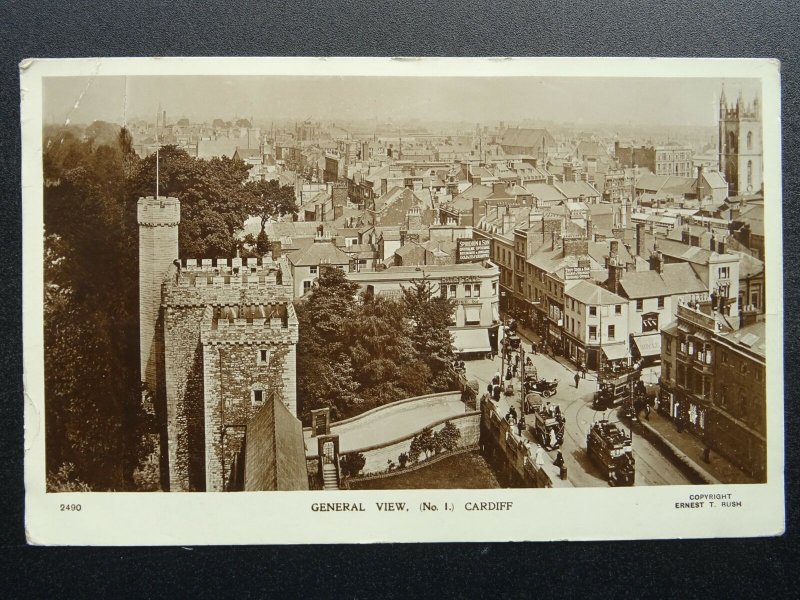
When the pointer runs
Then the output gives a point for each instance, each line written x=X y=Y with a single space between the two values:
x=652 y=468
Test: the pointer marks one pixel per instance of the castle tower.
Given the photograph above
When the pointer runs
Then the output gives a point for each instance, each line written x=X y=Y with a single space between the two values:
x=158 y=247
x=740 y=145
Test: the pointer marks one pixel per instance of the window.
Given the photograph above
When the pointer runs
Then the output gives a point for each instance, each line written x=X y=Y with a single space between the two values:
x=618 y=309
x=453 y=289
x=668 y=345
x=668 y=372
x=313 y=269
x=723 y=357
x=257 y=396
x=476 y=290
x=592 y=332
x=592 y=311
x=759 y=374
x=724 y=272
x=661 y=302
x=263 y=356
x=749 y=174
x=743 y=368
x=612 y=330
x=468 y=291
x=494 y=288
x=749 y=140
x=306 y=286
x=640 y=305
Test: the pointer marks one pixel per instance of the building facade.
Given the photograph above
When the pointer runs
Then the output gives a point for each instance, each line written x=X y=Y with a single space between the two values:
x=713 y=384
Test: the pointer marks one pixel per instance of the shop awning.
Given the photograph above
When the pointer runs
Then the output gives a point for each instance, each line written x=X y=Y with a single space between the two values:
x=648 y=345
x=615 y=352
x=471 y=340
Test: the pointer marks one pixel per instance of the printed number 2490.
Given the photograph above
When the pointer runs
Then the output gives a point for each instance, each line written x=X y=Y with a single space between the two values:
x=72 y=507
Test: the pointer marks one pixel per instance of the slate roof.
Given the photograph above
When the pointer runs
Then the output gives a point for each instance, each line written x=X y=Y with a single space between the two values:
x=275 y=455
x=319 y=253
x=751 y=337
x=527 y=138
x=675 y=278
x=545 y=192
x=590 y=293
x=753 y=215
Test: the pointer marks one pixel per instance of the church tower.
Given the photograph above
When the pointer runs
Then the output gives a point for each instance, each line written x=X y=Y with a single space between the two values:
x=740 y=145
x=158 y=247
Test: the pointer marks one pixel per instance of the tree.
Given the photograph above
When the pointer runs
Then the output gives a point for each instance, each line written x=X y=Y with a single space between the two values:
x=270 y=200
x=214 y=203
x=447 y=438
x=422 y=442
x=403 y=459
x=429 y=317
x=94 y=413
x=325 y=374
x=351 y=464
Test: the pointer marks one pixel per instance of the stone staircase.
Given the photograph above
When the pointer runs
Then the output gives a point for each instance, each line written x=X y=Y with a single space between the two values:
x=329 y=477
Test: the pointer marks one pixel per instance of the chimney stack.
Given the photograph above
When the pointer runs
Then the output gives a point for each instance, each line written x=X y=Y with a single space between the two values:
x=476 y=207
x=657 y=262
x=614 y=274
x=640 y=239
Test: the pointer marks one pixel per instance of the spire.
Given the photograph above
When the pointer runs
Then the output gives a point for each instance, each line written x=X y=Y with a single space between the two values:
x=723 y=101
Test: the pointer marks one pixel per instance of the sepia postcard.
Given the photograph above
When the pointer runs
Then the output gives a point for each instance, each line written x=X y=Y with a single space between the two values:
x=325 y=300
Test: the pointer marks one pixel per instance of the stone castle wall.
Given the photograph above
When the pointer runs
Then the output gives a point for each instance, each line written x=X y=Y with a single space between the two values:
x=231 y=372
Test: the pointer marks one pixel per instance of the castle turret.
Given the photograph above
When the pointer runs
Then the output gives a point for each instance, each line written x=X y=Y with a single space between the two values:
x=158 y=247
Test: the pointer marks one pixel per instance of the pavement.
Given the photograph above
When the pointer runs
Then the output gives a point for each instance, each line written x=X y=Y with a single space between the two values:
x=390 y=424
x=718 y=467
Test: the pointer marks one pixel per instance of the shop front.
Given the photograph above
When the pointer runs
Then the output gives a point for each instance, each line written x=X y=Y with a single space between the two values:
x=574 y=350
x=647 y=346
x=554 y=338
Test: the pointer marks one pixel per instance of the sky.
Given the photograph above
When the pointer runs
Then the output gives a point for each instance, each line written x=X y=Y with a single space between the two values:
x=590 y=101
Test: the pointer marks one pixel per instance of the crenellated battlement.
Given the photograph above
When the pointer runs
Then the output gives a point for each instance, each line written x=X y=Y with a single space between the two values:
x=158 y=212
x=250 y=325
x=228 y=281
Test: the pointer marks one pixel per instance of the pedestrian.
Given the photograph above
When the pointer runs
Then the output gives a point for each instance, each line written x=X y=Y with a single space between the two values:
x=533 y=347
x=553 y=438
x=559 y=461
x=558 y=412
x=508 y=374
x=513 y=411
x=489 y=388
x=516 y=370
x=583 y=369
x=539 y=457
x=577 y=378
x=521 y=425
x=547 y=409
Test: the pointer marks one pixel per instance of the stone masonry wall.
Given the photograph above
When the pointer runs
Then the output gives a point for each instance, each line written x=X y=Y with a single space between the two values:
x=184 y=397
x=231 y=372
